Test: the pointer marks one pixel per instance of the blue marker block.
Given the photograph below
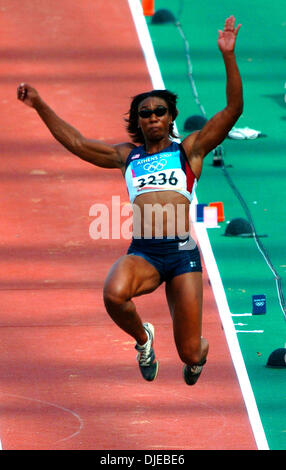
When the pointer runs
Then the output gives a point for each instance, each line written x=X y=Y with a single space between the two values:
x=258 y=304
x=200 y=212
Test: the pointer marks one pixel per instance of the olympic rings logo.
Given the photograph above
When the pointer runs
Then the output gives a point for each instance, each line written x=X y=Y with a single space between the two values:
x=155 y=166
x=259 y=303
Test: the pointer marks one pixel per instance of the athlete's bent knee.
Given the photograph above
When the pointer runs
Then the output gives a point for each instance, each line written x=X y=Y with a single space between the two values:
x=113 y=297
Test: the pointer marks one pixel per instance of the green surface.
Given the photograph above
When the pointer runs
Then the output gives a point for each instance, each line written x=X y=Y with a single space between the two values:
x=257 y=168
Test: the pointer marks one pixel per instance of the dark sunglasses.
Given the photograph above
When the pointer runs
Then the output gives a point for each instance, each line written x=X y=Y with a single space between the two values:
x=159 y=111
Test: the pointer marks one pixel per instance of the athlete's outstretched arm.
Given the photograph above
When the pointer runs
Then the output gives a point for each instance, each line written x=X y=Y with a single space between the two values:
x=216 y=129
x=93 y=151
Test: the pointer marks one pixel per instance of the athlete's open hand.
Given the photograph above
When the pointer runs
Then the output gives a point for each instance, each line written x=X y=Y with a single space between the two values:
x=27 y=94
x=227 y=37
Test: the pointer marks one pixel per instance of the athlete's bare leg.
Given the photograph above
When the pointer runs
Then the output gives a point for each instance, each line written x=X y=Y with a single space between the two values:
x=184 y=295
x=129 y=277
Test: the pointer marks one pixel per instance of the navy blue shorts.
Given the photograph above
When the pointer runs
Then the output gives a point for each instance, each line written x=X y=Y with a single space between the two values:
x=170 y=257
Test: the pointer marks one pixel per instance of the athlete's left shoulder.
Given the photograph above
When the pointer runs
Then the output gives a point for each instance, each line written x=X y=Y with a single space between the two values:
x=188 y=143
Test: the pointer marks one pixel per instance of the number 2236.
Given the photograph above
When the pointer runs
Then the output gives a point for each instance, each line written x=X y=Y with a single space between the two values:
x=160 y=180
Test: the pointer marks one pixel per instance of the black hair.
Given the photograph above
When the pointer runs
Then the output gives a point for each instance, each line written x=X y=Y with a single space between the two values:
x=132 y=126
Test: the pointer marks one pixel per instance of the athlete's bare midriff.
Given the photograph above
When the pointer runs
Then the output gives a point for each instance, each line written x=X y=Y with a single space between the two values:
x=161 y=213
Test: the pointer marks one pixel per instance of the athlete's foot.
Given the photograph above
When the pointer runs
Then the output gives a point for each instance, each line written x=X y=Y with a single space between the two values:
x=148 y=365
x=192 y=373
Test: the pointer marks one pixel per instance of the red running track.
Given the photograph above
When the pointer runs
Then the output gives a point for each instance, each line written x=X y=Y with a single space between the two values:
x=69 y=379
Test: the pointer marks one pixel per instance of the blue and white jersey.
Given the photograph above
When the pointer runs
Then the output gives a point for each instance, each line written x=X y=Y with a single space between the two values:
x=168 y=170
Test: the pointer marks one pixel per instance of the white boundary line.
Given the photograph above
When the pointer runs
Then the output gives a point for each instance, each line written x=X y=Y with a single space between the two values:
x=214 y=276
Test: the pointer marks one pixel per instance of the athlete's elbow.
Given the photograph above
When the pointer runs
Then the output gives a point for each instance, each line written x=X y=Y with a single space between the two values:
x=239 y=108
x=76 y=145
x=236 y=105
x=235 y=110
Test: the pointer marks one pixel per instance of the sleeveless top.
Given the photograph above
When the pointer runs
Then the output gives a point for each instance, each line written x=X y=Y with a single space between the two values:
x=168 y=170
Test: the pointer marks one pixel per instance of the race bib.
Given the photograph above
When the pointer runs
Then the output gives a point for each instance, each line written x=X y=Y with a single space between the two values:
x=158 y=171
